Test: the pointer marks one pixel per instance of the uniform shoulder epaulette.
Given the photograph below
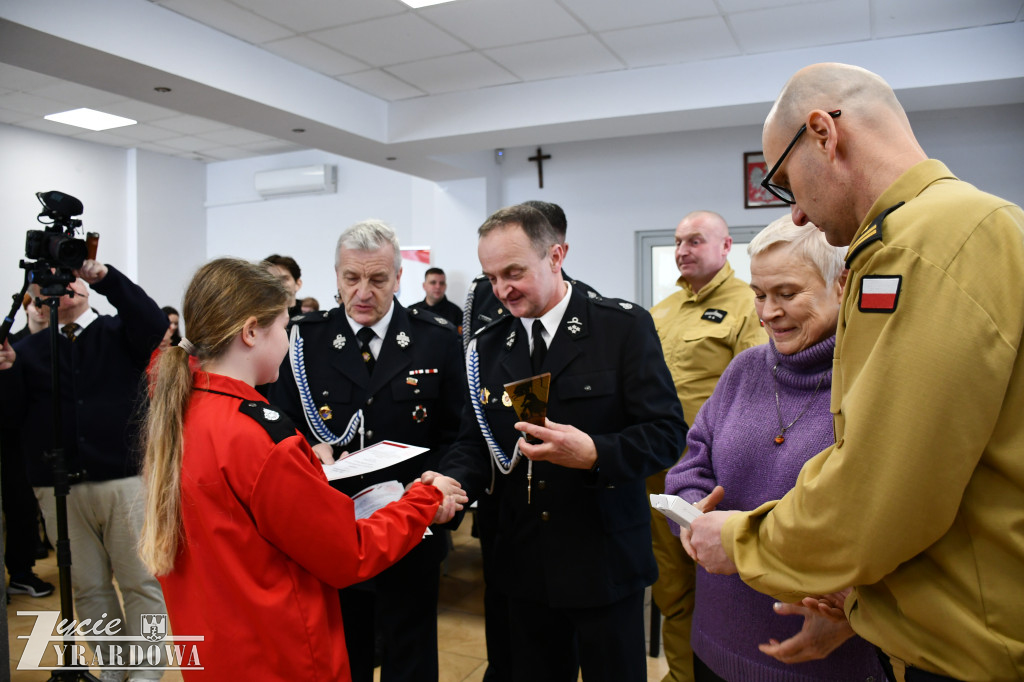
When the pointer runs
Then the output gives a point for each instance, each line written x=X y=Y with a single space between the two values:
x=617 y=304
x=431 y=318
x=273 y=421
x=493 y=324
x=869 y=236
x=310 y=318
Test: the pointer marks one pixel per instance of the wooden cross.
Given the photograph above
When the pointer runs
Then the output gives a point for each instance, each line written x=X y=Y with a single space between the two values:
x=539 y=158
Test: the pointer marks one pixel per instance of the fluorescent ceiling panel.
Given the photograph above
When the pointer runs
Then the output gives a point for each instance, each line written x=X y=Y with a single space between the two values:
x=90 y=119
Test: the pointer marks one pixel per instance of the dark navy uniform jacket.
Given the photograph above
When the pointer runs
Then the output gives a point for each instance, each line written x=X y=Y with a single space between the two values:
x=414 y=395
x=584 y=537
x=101 y=383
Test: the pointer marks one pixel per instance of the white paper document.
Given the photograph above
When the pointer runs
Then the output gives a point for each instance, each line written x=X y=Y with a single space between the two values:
x=378 y=456
x=368 y=500
x=676 y=508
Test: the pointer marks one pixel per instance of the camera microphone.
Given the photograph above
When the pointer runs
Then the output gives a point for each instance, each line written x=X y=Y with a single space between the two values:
x=60 y=203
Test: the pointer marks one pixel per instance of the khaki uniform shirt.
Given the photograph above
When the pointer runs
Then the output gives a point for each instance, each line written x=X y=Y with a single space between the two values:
x=920 y=503
x=701 y=333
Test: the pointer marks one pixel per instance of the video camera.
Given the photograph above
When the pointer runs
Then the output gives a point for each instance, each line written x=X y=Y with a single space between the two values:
x=54 y=249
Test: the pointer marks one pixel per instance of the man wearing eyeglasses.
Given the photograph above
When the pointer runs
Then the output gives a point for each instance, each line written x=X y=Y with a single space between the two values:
x=919 y=506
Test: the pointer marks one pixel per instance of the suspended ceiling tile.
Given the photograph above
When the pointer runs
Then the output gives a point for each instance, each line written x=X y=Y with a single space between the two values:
x=556 y=58
x=229 y=18
x=31 y=104
x=380 y=83
x=467 y=71
x=139 y=111
x=303 y=16
x=190 y=125
x=189 y=143
x=314 y=55
x=230 y=137
x=909 y=17
x=607 y=16
x=492 y=23
x=392 y=40
x=680 y=41
x=799 y=26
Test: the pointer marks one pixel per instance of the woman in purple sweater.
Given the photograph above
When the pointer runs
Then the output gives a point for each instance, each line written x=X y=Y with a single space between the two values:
x=768 y=415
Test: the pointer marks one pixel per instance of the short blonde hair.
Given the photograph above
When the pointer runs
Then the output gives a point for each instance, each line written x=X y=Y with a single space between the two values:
x=807 y=241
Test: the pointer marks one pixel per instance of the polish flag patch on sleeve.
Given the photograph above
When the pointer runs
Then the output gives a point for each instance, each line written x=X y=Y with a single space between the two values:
x=879 y=293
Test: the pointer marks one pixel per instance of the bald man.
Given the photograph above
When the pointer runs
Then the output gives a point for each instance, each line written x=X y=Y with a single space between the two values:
x=702 y=327
x=919 y=506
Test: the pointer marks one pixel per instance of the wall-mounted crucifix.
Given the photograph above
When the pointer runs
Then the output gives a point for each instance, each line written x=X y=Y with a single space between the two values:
x=539 y=158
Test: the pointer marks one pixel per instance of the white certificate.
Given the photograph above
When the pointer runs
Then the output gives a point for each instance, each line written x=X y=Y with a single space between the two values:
x=378 y=456
x=368 y=500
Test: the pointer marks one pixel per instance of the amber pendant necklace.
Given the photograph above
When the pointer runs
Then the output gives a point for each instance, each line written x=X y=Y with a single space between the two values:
x=781 y=438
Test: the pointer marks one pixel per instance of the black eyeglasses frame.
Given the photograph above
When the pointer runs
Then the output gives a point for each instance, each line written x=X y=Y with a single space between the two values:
x=784 y=193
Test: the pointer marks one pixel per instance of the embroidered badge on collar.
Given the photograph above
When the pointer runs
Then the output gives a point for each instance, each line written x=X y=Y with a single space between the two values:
x=270 y=415
x=339 y=341
x=879 y=293
x=511 y=339
x=402 y=339
x=592 y=294
x=626 y=306
x=714 y=315
x=574 y=325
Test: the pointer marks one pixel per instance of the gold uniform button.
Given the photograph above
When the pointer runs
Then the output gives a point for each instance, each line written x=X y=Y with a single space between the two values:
x=541 y=485
x=544 y=516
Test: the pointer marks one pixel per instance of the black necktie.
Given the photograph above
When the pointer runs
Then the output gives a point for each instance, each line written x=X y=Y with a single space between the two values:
x=540 y=349
x=365 y=335
x=69 y=330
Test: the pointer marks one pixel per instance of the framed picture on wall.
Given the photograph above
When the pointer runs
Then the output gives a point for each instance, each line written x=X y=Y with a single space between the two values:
x=754 y=195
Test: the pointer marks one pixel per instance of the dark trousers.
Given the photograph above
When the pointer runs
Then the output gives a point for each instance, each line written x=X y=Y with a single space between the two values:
x=910 y=674
x=401 y=603
x=496 y=629
x=19 y=506
x=553 y=645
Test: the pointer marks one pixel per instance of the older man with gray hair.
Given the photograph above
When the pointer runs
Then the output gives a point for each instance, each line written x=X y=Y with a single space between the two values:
x=367 y=371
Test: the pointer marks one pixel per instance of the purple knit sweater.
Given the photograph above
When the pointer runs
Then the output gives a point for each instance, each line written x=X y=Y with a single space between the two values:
x=731 y=443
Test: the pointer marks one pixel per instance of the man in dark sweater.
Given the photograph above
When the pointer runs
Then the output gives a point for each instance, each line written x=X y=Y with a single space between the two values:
x=101 y=365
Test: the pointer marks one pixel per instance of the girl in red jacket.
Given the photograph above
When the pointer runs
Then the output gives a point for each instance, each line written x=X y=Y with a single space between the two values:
x=249 y=541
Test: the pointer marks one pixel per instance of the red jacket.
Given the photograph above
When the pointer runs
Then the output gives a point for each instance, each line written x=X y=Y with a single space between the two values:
x=266 y=543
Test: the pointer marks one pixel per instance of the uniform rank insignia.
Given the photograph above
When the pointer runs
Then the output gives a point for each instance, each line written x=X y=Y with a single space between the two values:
x=339 y=341
x=574 y=326
x=879 y=293
x=402 y=339
x=714 y=315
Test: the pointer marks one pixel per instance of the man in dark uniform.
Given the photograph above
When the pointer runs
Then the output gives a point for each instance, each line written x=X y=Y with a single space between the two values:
x=573 y=545
x=435 y=284
x=482 y=307
x=365 y=372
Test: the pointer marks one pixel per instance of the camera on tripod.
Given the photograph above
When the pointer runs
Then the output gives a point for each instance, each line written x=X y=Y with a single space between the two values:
x=56 y=248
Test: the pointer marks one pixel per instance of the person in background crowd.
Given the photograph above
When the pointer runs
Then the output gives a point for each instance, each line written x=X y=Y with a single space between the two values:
x=309 y=305
x=102 y=359
x=436 y=303
x=290 y=275
x=702 y=327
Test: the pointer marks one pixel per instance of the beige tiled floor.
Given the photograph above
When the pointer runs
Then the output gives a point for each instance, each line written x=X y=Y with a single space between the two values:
x=460 y=621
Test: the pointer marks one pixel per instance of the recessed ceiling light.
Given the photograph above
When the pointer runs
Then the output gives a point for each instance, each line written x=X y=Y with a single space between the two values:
x=416 y=4
x=90 y=119
x=162 y=89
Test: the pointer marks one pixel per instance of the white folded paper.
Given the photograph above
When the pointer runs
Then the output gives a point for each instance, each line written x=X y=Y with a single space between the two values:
x=377 y=456
x=370 y=499
x=676 y=508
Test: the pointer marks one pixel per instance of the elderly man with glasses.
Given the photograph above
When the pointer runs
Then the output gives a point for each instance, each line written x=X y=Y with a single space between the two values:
x=919 y=505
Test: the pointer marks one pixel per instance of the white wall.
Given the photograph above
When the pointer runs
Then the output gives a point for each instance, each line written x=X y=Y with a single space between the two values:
x=611 y=188
x=171 y=218
x=96 y=174
x=240 y=223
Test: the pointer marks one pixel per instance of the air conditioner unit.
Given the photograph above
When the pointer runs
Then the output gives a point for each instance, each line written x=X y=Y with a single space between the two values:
x=319 y=179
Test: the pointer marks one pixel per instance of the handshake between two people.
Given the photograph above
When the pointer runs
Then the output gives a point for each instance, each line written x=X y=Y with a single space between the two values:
x=454 y=496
